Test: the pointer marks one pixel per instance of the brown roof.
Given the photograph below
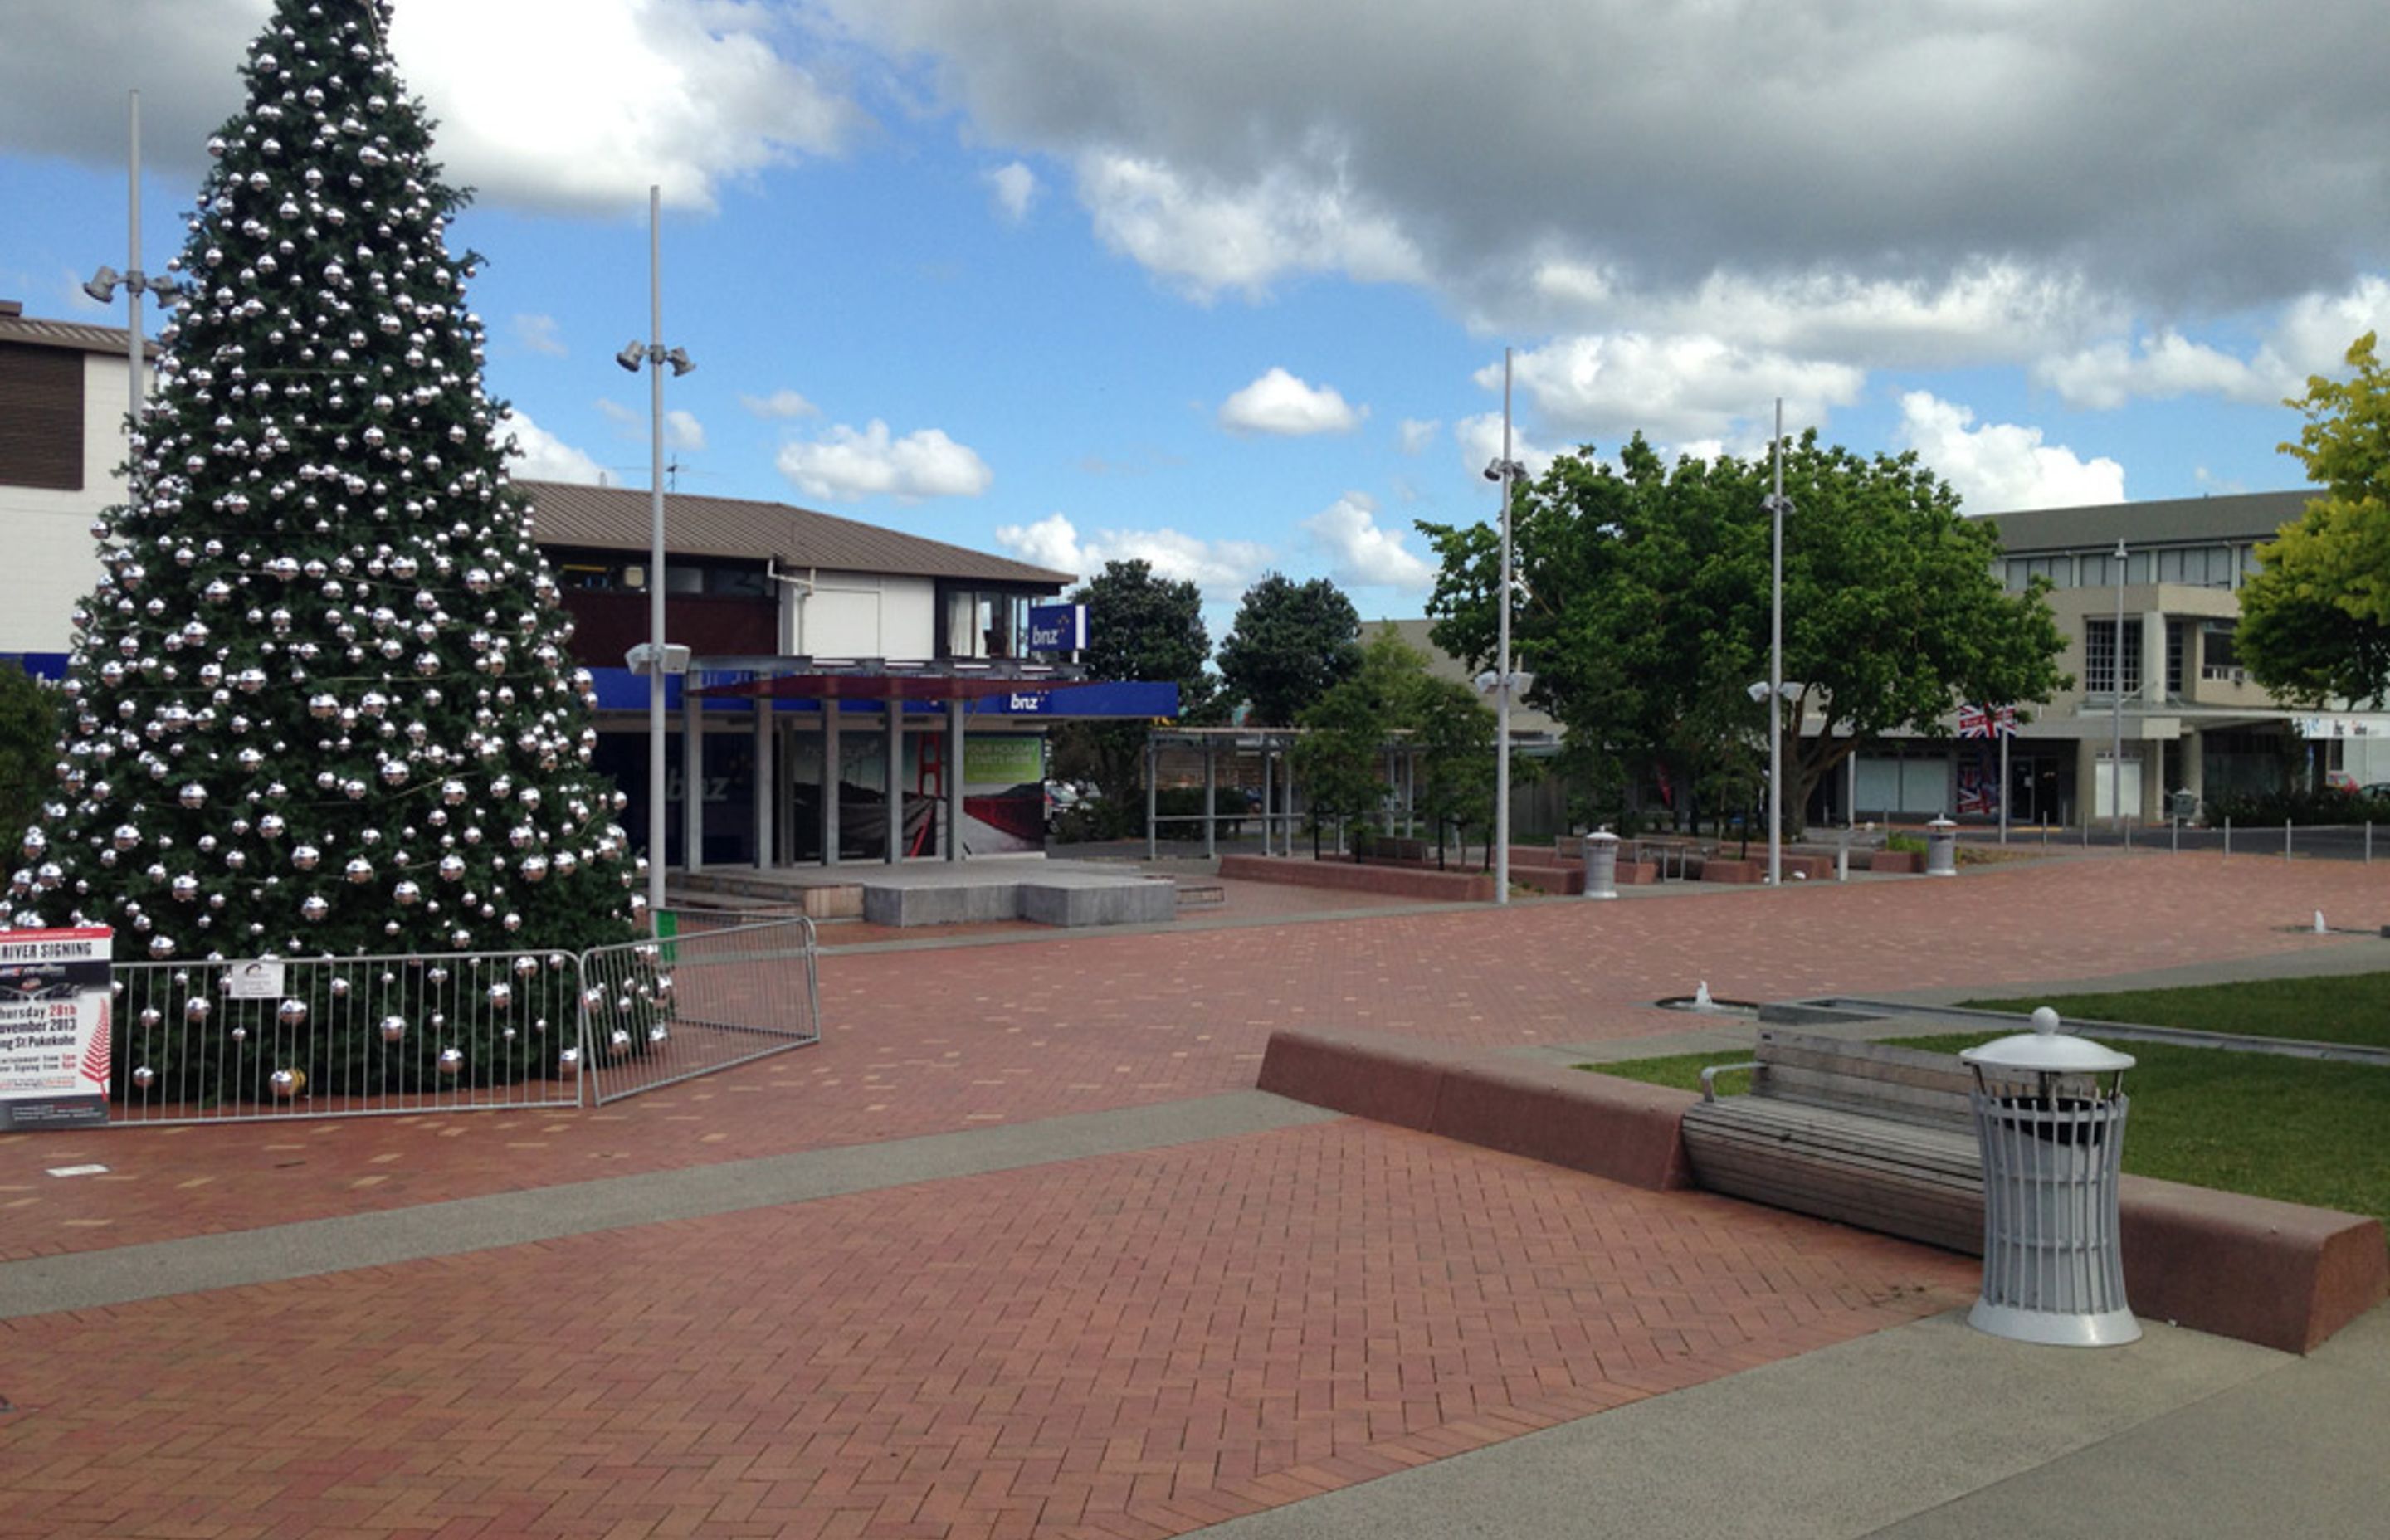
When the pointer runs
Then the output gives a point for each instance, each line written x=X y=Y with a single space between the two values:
x=616 y=519
x=77 y=335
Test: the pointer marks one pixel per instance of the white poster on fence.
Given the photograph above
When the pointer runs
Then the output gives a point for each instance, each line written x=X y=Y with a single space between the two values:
x=54 y=1048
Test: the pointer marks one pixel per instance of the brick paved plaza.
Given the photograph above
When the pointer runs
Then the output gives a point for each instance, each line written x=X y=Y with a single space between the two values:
x=1137 y=1341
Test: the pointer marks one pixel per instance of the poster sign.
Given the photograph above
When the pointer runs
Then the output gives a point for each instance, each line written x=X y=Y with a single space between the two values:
x=996 y=762
x=54 y=1038
x=1057 y=628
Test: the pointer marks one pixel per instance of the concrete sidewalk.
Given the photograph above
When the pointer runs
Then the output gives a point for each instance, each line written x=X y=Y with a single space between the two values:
x=1930 y=1432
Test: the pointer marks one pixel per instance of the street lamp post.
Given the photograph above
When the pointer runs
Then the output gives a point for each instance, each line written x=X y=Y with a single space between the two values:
x=653 y=356
x=1505 y=471
x=1777 y=507
x=2117 y=677
x=134 y=281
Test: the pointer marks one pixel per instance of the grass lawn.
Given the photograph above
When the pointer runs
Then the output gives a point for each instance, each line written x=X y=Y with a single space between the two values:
x=2354 y=1007
x=2298 y=1129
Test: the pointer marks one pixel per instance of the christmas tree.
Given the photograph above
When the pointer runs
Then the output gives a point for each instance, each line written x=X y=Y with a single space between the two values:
x=322 y=701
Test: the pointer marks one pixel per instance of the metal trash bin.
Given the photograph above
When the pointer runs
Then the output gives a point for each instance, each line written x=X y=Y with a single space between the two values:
x=1601 y=865
x=2051 y=1130
x=1942 y=848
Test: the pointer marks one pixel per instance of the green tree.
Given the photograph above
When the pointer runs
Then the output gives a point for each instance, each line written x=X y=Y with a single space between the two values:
x=1452 y=732
x=1140 y=626
x=29 y=745
x=1290 y=644
x=1644 y=609
x=2315 y=617
x=1341 y=757
x=322 y=704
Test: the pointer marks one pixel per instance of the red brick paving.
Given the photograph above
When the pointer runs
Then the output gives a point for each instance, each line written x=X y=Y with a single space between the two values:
x=920 y=1042
x=1133 y=1344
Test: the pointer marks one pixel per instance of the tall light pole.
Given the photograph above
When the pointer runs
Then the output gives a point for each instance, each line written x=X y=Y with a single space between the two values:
x=1504 y=470
x=1777 y=507
x=2117 y=677
x=652 y=356
x=136 y=283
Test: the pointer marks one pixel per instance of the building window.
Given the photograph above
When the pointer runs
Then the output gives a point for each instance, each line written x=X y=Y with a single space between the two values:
x=2219 y=657
x=2178 y=643
x=2197 y=566
x=41 y=417
x=2023 y=569
x=2099 y=655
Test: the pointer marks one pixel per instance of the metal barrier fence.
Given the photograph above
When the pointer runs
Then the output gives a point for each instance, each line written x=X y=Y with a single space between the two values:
x=318 y=1037
x=336 y=1037
x=663 y=1011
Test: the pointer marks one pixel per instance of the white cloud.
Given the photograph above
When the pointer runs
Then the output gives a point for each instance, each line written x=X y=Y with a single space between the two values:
x=619 y=414
x=538 y=334
x=780 y=403
x=1207 y=236
x=1014 y=188
x=1673 y=388
x=847 y=463
x=543 y=457
x=1416 y=433
x=1280 y=404
x=576 y=104
x=2310 y=337
x=2110 y=374
x=2003 y=467
x=1360 y=554
x=682 y=431
x=1222 y=568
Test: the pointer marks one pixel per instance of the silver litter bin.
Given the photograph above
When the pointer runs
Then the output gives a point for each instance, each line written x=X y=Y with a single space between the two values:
x=1941 y=848
x=2050 y=1118
x=1601 y=865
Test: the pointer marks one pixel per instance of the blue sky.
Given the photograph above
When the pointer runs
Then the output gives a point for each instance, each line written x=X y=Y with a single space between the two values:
x=1227 y=286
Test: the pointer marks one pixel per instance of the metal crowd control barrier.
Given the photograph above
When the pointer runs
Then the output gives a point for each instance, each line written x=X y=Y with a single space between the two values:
x=317 y=1037
x=734 y=993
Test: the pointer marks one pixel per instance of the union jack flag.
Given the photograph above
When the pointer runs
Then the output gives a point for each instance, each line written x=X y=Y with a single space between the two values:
x=1979 y=789
x=1976 y=721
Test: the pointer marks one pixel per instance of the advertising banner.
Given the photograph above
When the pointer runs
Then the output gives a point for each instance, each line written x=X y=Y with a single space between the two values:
x=54 y=1048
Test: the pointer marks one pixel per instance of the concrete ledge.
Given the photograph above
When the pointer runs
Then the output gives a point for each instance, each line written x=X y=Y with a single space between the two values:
x=1072 y=903
x=1598 y=1123
x=907 y=904
x=1593 y=1123
x=1896 y=861
x=1548 y=878
x=2280 y=1274
x=1367 y=1074
x=1399 y=881
x=1717 y=870
x=1638 y=874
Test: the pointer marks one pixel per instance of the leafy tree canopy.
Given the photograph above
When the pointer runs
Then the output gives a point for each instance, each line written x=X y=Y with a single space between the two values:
x=1290 y=644
x=2315 y=618
x=1141 y=626
x=1643 y=594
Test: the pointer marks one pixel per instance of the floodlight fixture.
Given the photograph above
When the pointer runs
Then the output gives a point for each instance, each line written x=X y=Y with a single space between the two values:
x=679 y=361
x=103 y=284
x=632 y=355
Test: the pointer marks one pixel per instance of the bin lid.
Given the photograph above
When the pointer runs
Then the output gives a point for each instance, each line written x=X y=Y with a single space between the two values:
x=2048 y=1048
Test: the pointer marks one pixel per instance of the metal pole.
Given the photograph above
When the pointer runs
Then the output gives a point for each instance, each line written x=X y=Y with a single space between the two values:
x=132 y=280
x=1211 y=803
x=1502 y=682
x=2286 y=838
x=2004 y=735
x=1149 y=768
x=1775 y=667
x=2116 y=669
x=1269 y=798
x=2228 y=837
x=656 y=810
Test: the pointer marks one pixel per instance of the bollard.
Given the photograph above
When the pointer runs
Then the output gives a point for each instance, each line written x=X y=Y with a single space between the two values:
x=2286 y=838
x=1601 y=865
x=2173 y=835
x=1842 y=858
x=2228 y=837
